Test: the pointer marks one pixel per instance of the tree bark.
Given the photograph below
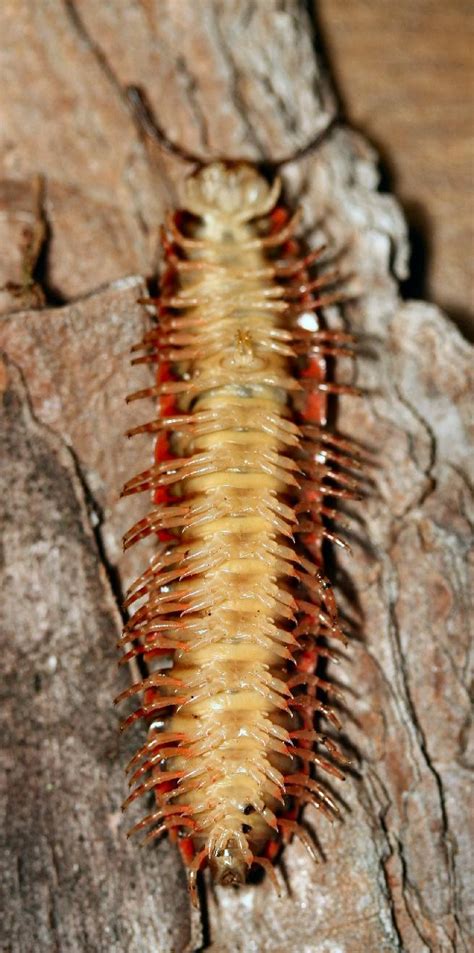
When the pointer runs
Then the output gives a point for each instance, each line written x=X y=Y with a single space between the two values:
x=83 y=194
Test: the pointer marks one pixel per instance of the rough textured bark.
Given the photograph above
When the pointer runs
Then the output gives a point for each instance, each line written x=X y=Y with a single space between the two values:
x=223 y=79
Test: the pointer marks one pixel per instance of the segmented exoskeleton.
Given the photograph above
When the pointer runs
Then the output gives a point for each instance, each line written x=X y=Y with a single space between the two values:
x=236 y=594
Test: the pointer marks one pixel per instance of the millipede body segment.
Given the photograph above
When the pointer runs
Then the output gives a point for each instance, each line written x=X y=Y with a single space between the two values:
x=242 y=482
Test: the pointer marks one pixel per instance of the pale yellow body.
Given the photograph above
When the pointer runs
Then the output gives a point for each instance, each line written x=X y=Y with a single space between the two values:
x=229 y=593
x=235 y=670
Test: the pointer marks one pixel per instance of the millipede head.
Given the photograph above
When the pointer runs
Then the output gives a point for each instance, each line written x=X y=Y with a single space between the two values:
x=231 y=190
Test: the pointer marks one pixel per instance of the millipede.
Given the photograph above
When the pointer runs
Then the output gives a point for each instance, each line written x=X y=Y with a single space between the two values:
x=233 y=619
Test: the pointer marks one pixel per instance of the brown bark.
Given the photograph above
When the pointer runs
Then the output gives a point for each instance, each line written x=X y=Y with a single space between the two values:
x=419 y=113
x=233 y=79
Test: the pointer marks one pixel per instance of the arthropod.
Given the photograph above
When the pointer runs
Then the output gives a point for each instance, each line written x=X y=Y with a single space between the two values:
x=244 y=484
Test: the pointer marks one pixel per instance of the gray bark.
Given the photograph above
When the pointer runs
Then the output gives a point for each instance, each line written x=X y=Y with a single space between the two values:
x=231 y=79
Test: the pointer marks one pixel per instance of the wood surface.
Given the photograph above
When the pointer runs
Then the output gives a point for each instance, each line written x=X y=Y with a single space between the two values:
x=405 y=76
x=82 y=197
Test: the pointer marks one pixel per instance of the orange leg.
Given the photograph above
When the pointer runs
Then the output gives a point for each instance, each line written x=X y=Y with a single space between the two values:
x=194 y=869
x=270 y=871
